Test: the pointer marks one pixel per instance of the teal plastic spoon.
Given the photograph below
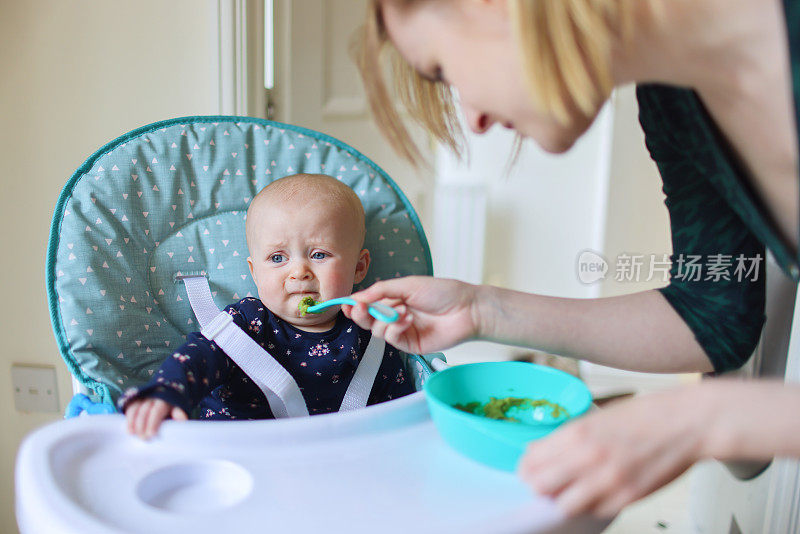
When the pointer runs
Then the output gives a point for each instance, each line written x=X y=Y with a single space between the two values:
x=381 y=312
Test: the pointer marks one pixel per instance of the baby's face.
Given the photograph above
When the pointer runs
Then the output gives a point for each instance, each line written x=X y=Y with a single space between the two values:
x=305 y=249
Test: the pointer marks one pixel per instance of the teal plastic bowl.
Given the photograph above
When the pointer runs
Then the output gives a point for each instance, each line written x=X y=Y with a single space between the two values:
x=499 y=443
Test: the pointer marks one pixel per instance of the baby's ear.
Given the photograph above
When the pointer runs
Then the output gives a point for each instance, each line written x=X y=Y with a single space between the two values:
x=362 y=266
x=250 y=264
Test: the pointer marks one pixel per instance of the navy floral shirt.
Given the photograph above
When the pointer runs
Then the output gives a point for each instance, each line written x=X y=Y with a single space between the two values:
x=715 y=213
x=202 y=380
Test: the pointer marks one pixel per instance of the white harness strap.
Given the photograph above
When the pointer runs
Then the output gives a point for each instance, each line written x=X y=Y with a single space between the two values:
x=282 y=392
x=358 y=391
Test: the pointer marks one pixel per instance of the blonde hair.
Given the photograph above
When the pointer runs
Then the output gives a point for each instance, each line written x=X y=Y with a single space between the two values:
x=566 y=48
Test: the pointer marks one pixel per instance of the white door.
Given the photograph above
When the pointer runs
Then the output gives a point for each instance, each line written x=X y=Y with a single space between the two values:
x=317 y=85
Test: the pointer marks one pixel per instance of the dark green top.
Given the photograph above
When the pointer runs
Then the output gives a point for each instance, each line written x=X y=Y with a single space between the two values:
x=715 y=214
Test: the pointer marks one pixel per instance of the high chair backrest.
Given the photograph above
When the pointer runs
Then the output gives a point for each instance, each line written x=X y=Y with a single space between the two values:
x=170 y=199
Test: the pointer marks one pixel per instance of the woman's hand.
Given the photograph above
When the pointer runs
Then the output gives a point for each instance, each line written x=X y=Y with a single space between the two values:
x=144 y=416
x=612 y=457
x=602 y=462
x=435 y=313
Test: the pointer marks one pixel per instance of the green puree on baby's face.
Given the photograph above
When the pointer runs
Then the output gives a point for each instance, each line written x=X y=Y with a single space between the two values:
x=305 y=303
x=498 y=408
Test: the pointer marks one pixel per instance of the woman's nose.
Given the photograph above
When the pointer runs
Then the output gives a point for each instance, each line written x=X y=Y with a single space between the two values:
x=477 y=121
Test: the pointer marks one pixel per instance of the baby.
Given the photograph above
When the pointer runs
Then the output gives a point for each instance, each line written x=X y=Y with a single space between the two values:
x=305 y=235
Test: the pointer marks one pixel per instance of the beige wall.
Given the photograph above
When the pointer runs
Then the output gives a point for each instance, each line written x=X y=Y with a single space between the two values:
x=637 y=221
x=75 y=75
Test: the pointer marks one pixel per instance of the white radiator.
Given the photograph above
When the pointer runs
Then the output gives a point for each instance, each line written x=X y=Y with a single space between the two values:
x=459 y=231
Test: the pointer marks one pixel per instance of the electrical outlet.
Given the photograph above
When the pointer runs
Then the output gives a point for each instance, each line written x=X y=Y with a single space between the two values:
x=34 y=388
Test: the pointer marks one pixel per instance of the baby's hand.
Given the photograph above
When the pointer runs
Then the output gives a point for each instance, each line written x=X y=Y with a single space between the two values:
x=145 y=415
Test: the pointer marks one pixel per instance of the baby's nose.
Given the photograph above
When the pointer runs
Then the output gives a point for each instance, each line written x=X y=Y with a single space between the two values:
x=300 y=271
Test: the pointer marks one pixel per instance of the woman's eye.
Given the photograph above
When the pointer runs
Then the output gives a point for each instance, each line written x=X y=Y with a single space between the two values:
x=438 y=76
x=276 y=258
x=318 y=256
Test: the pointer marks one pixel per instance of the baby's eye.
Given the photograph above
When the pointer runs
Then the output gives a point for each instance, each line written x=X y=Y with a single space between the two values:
x=318 y=256
x=276 y=258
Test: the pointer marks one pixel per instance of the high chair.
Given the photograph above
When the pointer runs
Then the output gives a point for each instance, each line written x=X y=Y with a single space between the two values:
x=169 y=200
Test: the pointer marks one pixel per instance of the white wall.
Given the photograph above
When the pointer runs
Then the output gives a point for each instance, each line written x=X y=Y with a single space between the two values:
x=76 y=74
x=603 y=195
x=540 y=215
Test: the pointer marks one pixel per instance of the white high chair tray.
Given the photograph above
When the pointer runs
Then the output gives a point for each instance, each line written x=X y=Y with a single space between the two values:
x=383 y=469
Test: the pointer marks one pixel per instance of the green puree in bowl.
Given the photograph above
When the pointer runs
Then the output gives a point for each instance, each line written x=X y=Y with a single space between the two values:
x=498 y=408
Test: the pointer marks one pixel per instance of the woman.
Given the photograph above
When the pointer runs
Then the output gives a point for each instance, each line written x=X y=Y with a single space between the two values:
x=719 y=113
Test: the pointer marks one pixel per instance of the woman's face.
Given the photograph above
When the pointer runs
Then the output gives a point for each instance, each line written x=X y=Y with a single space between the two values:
x=469 y=45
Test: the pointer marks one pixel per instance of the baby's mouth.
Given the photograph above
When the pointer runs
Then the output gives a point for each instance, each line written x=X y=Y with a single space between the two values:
x=304 y=294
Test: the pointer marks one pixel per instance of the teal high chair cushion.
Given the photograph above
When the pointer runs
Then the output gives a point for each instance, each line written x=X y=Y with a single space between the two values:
x=171 y=198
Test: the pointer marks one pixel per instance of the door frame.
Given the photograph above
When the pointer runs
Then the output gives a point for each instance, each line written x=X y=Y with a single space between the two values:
x=239 y=61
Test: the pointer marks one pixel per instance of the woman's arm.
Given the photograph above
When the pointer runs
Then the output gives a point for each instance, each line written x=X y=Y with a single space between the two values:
x=637 y=332
x=751 y=420
x=710 y=223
